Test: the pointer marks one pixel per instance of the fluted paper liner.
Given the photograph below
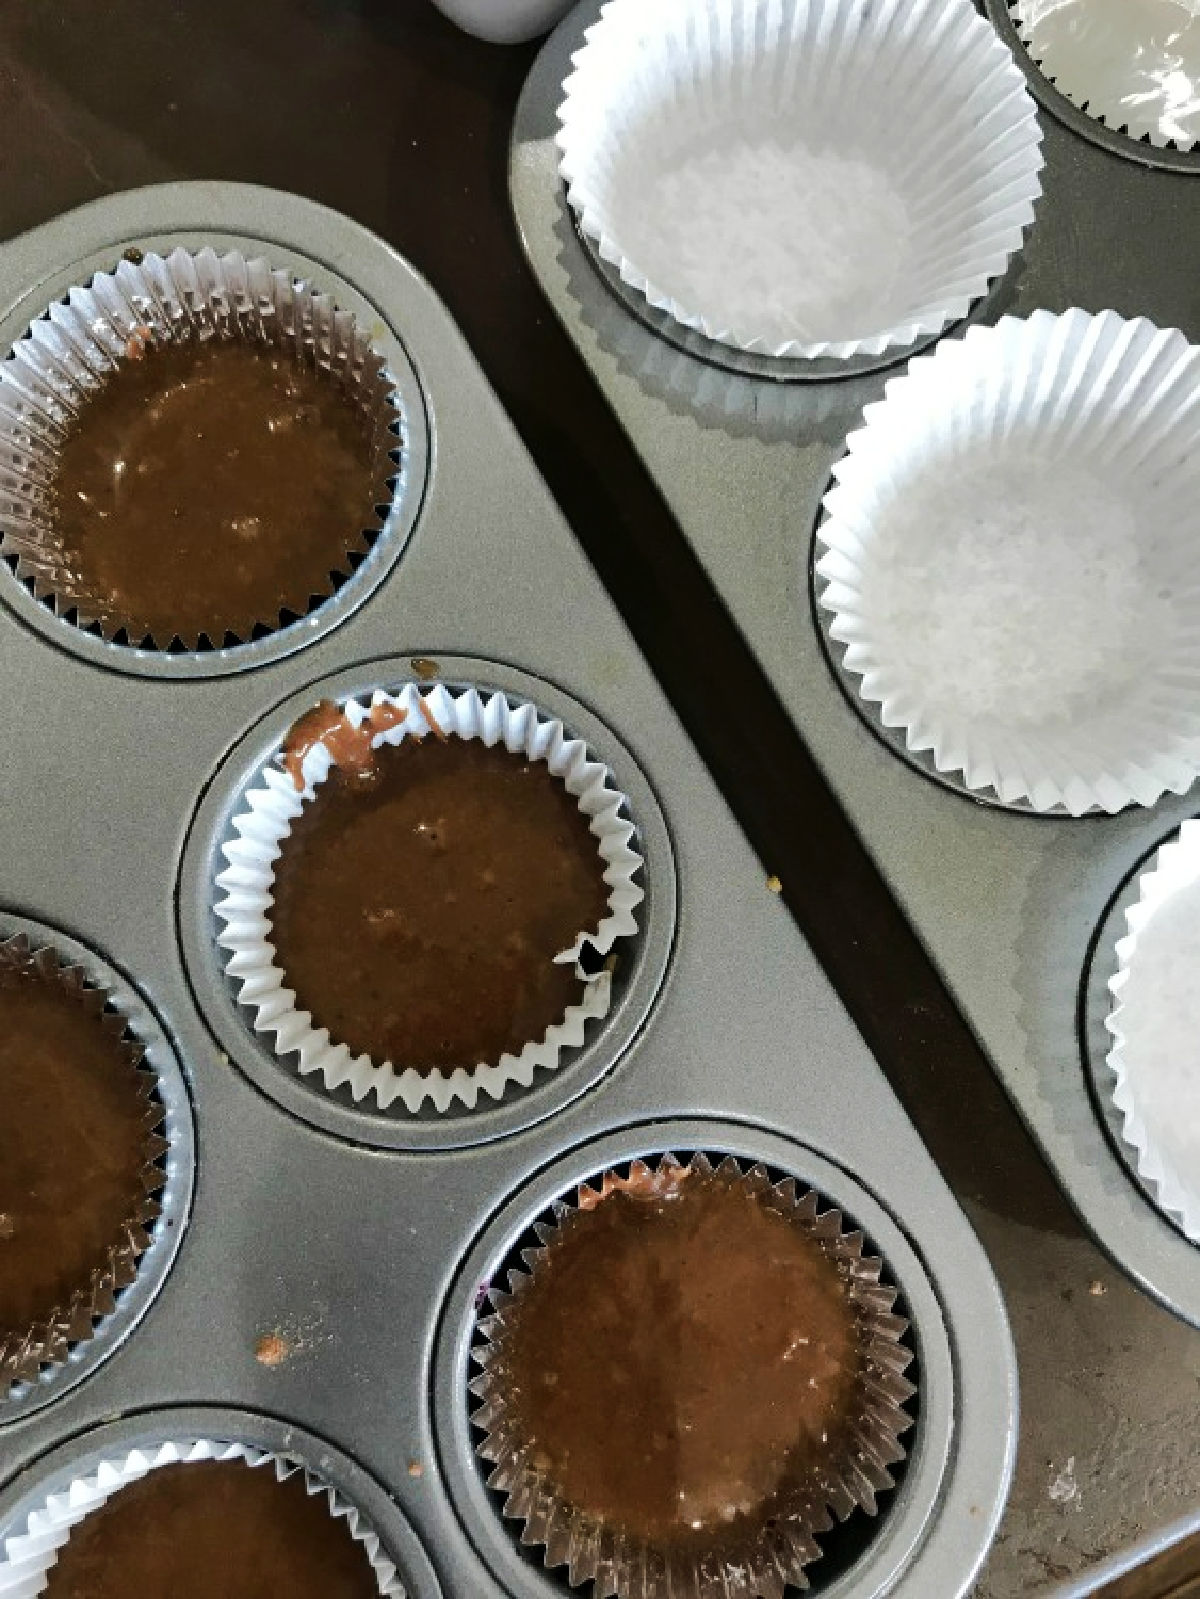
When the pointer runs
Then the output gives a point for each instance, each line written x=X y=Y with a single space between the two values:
x=48 y=1342
x=246 y=886
x=629 y=1567
x=1010 y=560
x=67 y=354
x=1155 y=1058
x=30 y=1553
x=1133 y=65
x=801 y=178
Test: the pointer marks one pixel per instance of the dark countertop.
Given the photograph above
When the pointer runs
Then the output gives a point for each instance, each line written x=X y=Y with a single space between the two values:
x=380 y=109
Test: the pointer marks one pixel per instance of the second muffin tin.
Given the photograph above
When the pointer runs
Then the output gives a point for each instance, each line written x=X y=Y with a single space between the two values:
x=355 y=1263
x=1006 y=903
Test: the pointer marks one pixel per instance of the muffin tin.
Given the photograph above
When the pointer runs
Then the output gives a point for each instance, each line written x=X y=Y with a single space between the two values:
x=1008 y=904
x=355 y=1244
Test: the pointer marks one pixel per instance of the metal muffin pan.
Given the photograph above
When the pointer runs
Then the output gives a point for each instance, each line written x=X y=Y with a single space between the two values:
x=1006 y=903
x=114 y=787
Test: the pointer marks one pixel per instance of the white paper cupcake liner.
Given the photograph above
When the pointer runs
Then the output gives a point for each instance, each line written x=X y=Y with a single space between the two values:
x=247 y=883
x=67 y=355
x=801 y=178
x=1155 y=1059
x=1012 y=560
x=1133 y=65
x=29 y=1554
x=629 y=1566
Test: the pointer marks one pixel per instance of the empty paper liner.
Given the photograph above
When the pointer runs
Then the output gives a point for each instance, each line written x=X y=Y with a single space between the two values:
x=820 y=178
x=1010 y=560
x=1133 y=65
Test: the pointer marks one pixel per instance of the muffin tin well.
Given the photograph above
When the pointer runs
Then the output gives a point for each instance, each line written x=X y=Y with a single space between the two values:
x=21 y=1399
x=315 y=1269
x=928 y=1444
x=642 y=959
x=410 y=464
x=1076 y=113
x=84 y=1457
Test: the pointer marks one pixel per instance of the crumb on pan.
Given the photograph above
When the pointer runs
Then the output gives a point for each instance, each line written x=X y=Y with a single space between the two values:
x=272 y=1349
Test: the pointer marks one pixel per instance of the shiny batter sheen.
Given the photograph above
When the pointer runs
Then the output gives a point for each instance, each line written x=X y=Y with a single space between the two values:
x=683 y=1358
x=206 y=487
x=213 y=1528
x=72 y=1145
x=419 y=904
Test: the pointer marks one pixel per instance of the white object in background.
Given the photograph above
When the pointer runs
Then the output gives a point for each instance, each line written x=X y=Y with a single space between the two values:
x=505 y=21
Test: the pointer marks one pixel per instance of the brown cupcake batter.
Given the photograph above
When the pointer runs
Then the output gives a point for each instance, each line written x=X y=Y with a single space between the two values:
x=74 y=1135
x=685 y=1356
x=419 y=904
x=206 y=487
x=214 y=1527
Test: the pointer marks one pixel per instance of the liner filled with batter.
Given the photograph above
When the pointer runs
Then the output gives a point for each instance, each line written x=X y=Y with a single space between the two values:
x=191 y=1517
x=79 y=1152
x=696 y=1371
x=426 y=894
x=198 y=449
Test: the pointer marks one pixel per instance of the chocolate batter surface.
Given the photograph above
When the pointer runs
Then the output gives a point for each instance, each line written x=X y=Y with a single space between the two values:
x=73 y=1144
x=208 y=486
x=419 y=903
x=684 y=1357
x=208 y=1529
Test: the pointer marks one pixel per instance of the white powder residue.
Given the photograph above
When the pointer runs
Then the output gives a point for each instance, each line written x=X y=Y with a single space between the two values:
x=1012 y=591
x=1160 y=1021
x=779 y=242
x=1064 y=1488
